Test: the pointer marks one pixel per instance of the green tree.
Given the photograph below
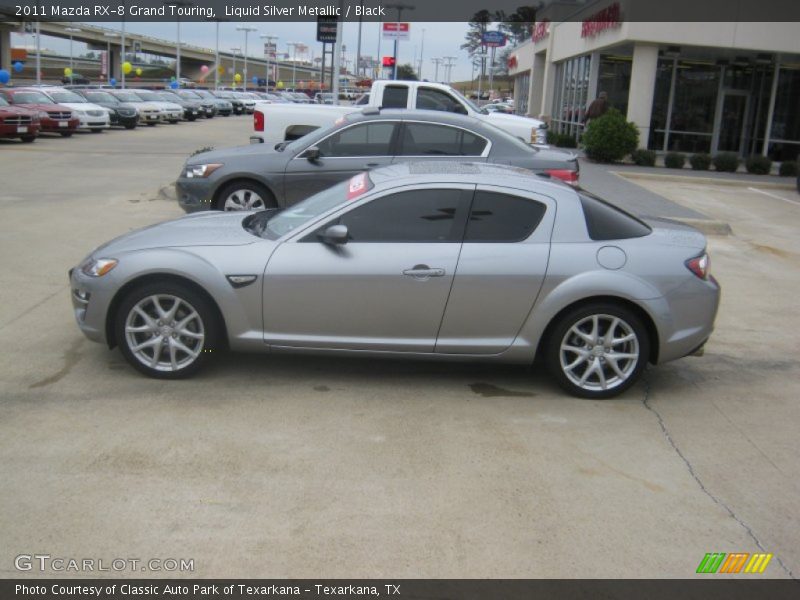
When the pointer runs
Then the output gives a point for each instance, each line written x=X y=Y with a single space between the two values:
x=406 y=72
x=479 y=23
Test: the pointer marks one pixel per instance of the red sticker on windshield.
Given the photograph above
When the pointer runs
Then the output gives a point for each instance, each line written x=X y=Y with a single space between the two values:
x=358 y=185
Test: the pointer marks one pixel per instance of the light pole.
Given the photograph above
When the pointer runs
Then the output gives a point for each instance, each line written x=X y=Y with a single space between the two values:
x=449 y=66
x=178 y=45
x=71 y=30
x=122 y=51
x=437 y=62
x=38 y=53
x=246 y=30
x=234 y=51
x=109 y=35
x=216 y=55
x=272 y=41
x=421 y=51
x=293 y=46
x=399 y=7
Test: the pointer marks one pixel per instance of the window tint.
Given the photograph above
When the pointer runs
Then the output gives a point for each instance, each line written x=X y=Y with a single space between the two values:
x=431 y=99
x=369 y=139
x=607 y=222
x=395 y=96
x=434 y=215
x=425 y=139
x=502 y=218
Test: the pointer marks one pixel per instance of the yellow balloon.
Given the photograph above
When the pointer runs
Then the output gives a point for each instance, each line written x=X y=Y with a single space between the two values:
x=221 y=70
x=67 y=72
x=127 y=68
x=139 y=72
x=237 y=78
x=280 y=84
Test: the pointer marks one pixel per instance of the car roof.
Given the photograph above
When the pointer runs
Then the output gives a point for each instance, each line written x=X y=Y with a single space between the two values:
x=463 y=172
x=433 y=116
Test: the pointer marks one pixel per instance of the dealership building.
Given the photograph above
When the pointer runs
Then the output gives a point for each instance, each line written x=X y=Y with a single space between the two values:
x=688 y=86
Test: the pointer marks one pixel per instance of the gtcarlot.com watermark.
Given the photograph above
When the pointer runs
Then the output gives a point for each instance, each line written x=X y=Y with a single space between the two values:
x=57 y=564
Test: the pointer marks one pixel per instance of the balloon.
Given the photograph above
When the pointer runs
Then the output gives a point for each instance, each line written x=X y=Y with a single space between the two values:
x=5 y=76
x=112 y=81
x=127 y=68
x=221 y=70
x=18 y=66
x=237 y=78
x=255 y=80
x=204 y=69
x=280 y=84
x=174 y=85
x=67 y=72
x=139 y=71
x=172 y=78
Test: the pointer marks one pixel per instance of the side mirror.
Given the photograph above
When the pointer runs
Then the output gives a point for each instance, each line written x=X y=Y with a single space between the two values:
x=312 y=154
x=335 y=235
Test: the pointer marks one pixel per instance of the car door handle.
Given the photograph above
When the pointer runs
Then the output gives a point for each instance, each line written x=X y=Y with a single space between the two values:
x=423 y=272
x=371 y=165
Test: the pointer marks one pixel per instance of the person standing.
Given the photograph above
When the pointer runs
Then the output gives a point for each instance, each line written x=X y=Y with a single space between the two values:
x=597 y=108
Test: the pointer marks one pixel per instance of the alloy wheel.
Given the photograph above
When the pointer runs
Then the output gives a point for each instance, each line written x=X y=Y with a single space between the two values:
x=244 y=199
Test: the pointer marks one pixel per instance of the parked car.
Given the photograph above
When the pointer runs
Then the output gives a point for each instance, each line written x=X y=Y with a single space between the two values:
x=122 y=114
x=149 y=113
x=237 y=103
x=18 y=122
x=75 y=79
x=208 y=107
x=92 y=117
x=259 y=176
x=53 y=118
x=192 y=109
x=419 y=260
x=170 y=111
x=323 y=98
x=221 y=106
x=248 y=101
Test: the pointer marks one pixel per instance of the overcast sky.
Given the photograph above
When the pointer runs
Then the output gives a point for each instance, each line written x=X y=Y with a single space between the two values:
x=441 y=39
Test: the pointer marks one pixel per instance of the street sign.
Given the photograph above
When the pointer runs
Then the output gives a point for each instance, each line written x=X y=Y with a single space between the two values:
x=270 y=49
x=493 y=39
x=326 y=30
x=396 y=31
x=388 y=61
x=104 y=63
x=137 y=47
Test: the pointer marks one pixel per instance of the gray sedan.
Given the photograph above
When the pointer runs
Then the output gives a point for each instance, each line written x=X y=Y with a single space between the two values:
x=448 y=261
x=258 y=176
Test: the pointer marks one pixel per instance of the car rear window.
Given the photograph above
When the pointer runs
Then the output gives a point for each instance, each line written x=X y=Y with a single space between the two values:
x=607 y=222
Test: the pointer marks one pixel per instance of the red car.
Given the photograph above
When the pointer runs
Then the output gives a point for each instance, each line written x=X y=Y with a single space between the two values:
x=53 y=117
x=17 y=122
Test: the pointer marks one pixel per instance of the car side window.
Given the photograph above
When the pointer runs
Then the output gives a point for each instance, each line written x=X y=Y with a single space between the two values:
x=366 y=139
x=421 y=216
x=395 y=96
x=428 y=139
x=496 y=217
x=431 y=99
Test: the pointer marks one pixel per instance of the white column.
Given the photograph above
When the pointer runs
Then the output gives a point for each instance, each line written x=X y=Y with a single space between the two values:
x=642 y=88
x=5 y=49
x=536 y=85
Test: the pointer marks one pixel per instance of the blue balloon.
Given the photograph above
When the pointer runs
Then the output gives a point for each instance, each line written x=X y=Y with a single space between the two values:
x=174 y=85
x=18 y=66
x=5 y=76
x=255 y=80
x=112 y=81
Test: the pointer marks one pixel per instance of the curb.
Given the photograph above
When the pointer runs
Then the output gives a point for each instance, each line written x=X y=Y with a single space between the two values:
x=706 y=226
x=705 y=180
x=167 y=192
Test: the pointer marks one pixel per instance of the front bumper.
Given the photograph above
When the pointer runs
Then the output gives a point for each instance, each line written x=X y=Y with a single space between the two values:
x=194 y=194
x=58 y=126
x=91 y=298
x=18 y=130
x=89 y=122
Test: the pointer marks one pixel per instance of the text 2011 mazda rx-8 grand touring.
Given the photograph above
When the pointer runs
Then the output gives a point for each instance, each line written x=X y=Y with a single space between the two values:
x=423 y=260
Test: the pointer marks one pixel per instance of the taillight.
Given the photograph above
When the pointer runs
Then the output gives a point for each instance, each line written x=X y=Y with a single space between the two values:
x=699 y=265
x=565 y=175
x=258 y=120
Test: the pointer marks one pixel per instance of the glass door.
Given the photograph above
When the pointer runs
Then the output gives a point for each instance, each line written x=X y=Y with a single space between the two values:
x=732 y=121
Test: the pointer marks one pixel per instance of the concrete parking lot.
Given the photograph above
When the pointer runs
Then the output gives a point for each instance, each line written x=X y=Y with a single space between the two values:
x=319 y=467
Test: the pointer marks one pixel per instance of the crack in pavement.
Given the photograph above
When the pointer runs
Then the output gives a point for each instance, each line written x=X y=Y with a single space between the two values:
x=699 y=481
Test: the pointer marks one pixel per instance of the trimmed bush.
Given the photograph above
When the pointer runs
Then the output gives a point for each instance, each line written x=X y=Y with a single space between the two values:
x=644 y=158
x=758 y=165
x=610 y=138
x=566 y=140
x=726 y=162
x=552 y=137
x=789 y=168
x=700 y=162
x=674 y=160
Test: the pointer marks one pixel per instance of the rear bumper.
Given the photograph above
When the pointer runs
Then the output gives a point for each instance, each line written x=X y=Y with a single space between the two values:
x=688 y=321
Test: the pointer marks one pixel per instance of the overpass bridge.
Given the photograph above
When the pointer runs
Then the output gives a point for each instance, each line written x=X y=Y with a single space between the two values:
x=193 y=58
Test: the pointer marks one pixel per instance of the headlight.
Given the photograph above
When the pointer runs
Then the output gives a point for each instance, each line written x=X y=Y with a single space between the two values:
x=98 y=267
x=194 y=171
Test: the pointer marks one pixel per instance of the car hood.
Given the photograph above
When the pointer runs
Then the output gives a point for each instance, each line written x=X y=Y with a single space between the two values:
x=16 y=110
x=200 y=229
x=165 y=105
x=498 y=118
x=83 y=106
x=45 y=107
x=229 y=154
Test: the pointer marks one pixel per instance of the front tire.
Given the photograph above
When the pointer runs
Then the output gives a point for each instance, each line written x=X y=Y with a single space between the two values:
x=245 y=195
x=598 y=350
x=167 y=330
x=28 y=138
x=65 y=133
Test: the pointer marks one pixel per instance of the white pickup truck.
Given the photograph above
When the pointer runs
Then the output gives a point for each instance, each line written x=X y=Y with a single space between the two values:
x=276 y=123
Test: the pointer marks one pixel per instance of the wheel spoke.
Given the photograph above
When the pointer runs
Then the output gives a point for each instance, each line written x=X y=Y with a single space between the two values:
x=170 y=314
x=584 y=336
x=157 y=303
x=601 y=374
x=147 y=318
x=592 y=368
x=146 y=344
x=156 y=352
x=621 y=340
x=621 y=356
x=184 y=348
x=578 y=361
x=612 y=362
x=595 y=329
x=147 y=328
x=172 y=354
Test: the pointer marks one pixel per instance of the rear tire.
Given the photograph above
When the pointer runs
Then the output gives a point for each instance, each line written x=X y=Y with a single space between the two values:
x=130 y=126
x=65 y=133
x=151 y=124
x=598 y=350
x=96 y=130
x=167 y=330
x=28 y=138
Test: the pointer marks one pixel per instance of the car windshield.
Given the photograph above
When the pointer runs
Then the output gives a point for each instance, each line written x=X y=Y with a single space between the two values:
x=3 y=101
x=128 y=97
x=101 y=97
x=203 y=94
x=67 y=97
x=166 y=97
x=30 y=98
x=309 y=209
x=225 y=95
x=189 y=95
